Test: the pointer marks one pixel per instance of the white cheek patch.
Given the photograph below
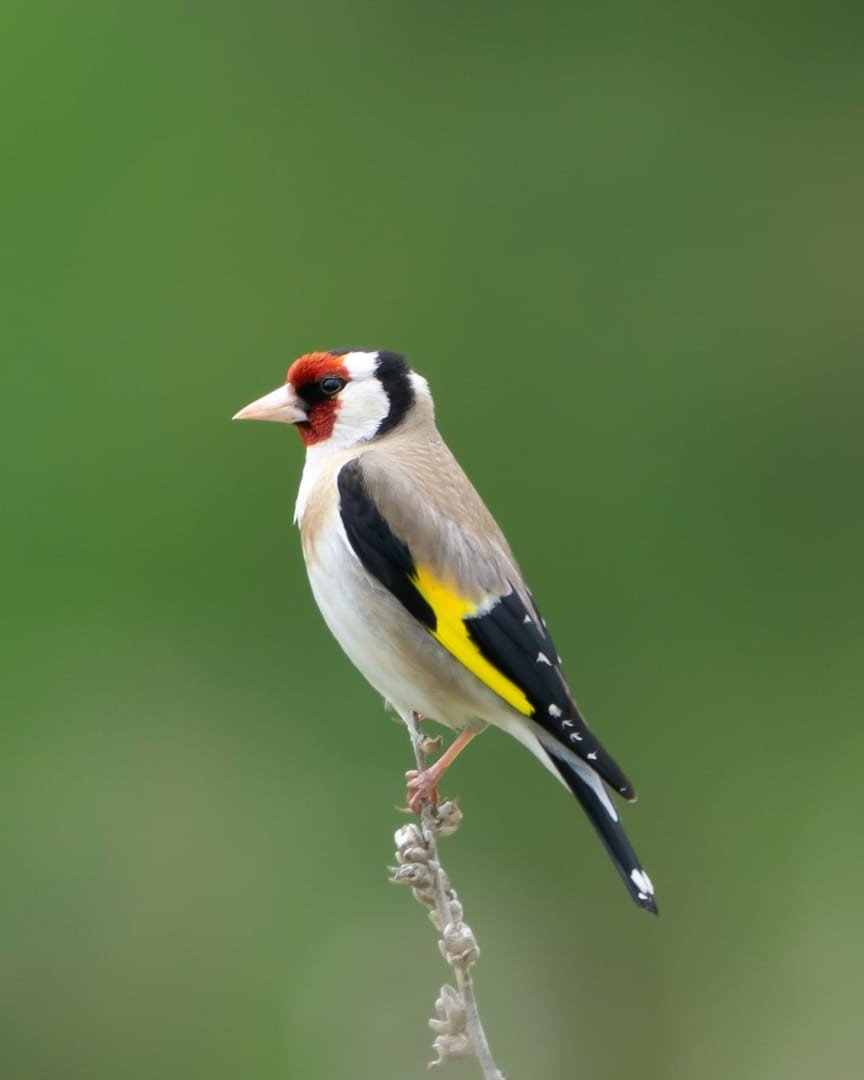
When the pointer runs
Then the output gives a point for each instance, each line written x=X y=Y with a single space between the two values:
x=363 y=407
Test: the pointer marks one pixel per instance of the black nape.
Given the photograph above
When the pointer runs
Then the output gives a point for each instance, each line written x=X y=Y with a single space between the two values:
x=395 y=376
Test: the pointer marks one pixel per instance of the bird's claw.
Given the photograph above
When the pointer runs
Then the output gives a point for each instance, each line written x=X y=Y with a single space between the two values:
x=422 y=787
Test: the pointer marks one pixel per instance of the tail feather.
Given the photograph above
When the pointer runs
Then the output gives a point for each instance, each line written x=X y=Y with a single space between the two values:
x=588 y=788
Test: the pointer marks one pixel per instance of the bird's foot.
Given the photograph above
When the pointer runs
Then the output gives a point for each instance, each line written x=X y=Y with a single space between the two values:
x=422 y=787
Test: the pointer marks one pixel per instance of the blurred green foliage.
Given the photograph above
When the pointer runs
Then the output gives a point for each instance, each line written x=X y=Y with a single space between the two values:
x=624 y=245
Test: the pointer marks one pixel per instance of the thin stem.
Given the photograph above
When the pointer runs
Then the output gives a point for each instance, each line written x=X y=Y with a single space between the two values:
x=461 y=963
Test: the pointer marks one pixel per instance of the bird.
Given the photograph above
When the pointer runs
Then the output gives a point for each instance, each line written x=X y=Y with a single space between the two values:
x=417 y=583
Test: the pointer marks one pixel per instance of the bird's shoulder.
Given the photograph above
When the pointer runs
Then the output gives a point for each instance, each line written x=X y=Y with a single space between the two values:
x=428 y=502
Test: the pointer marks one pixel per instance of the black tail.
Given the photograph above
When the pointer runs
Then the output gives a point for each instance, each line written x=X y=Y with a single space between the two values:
x=588 y=788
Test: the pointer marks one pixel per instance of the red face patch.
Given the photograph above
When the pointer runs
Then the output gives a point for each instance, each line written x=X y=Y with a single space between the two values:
x=306 y=372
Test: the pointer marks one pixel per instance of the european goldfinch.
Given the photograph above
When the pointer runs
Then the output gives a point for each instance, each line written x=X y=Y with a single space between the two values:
x=418 y=585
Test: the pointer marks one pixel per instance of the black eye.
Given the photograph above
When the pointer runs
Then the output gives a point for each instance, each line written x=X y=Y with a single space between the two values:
x=331 y=384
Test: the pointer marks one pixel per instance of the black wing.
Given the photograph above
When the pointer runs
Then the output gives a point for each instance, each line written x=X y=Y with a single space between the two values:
x=516 y=641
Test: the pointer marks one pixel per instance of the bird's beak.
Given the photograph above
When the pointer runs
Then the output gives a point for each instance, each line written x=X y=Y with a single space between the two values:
x=282 y=405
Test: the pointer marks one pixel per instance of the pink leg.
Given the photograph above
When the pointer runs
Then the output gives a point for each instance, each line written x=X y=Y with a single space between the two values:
x=424 y=785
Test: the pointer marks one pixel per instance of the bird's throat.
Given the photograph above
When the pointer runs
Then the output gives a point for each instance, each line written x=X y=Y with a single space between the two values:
x=319 y=426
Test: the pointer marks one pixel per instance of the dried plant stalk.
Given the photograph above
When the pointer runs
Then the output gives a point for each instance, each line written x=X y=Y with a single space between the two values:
x=457 y=1024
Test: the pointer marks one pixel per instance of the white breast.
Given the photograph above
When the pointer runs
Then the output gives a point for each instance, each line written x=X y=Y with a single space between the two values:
x=318 y=457
x=370 y=626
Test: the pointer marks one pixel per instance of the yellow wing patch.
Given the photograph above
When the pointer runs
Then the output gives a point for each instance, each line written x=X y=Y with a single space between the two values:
x=451 y=610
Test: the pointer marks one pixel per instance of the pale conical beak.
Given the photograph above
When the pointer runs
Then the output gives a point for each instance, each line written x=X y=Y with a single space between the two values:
x=281 y=405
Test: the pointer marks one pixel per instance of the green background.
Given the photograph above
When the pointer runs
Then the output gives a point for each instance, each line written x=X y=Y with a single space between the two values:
x=623 y=242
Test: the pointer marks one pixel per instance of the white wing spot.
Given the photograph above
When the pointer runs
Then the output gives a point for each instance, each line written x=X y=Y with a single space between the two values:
x=592 y=756
x=560 y=659
x=542 y=658
x=554 y=711
x=567 y=723
x=575 y=737
x=642 y=882
x=527 y=620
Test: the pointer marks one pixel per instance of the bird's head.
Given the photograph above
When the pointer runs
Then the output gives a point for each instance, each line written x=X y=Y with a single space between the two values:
x=343 y=397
